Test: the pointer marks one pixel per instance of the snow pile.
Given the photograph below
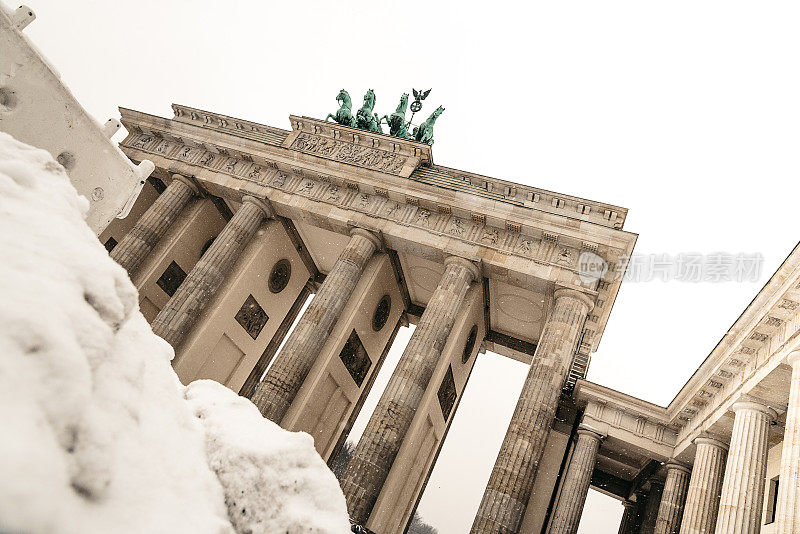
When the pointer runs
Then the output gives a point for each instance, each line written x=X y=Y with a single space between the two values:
x=96 y=433
x=274 y=480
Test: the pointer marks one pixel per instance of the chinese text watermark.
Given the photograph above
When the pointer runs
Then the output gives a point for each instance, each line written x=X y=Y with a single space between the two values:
x=689 y=267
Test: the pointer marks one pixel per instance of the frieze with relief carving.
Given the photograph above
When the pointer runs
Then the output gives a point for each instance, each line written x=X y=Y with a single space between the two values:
x=371 y=158
x=503 y=240
x=510 y=242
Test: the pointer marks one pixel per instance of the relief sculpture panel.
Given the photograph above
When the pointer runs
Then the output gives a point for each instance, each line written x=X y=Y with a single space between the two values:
x=361 y=156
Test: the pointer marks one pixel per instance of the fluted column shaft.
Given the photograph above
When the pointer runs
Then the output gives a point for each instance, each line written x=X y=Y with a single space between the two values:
x=175 y=320
x=650 y=515
x=743 y=487
x=151 y=227
x=788 y=506
x=567 y=515
x=705 y=486
x=276 y=392
x=672 y=499
x=384 y=434
x=510 y=484
x=629 y=516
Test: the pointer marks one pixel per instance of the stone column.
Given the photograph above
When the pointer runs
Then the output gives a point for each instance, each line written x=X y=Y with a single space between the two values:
x=653 y=503
x=641 y=503
x=276 y=392
x=628 y=525
x=702 y=500
x=788 y=506
x=568 y=511
x=743 y=488
x=175 y=320
x=672 y=499
x=140 y=240
x=381 y=441
x=510 y=484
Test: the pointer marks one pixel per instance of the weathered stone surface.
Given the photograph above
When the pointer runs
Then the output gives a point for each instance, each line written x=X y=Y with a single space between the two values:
x=705 y=485
x=511 y=481
x=175 y=320
x=321 y=176
x=788 y=508
x=672 y=499
x=567 y=515
x=384 y=434
x=137 y=244
x=275 y=393
x=743 y=488
x=651 y=506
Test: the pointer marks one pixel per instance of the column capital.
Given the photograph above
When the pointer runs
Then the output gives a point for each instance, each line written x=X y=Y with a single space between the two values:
x=564 y=292
x=367 y=234
x=188 y=181
x=674 y=465
x=746 y=403
x=655 y=481
x=793 y=357
x=471 y=267
x=708 y=440
x=586 y=430
x=263 y=204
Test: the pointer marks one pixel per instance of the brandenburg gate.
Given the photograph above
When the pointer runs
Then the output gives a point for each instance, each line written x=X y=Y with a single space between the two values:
x=241 y=223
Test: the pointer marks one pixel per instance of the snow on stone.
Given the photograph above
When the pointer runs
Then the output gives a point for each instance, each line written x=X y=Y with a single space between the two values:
x=96 y=435
x=274 y=480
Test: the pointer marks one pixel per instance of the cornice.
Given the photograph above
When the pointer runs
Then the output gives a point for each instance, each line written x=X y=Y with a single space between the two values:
x=586 y=391
x=524 y=196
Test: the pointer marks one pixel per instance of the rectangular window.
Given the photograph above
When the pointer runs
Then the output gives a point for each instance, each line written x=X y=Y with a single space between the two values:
x=171 y=279
x=355 y=358
x=772 y=500
x=447 y=393
x=110 y=244
x=252 y=317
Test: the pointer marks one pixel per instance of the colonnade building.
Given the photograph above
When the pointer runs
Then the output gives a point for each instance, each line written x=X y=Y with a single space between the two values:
x=241 y=222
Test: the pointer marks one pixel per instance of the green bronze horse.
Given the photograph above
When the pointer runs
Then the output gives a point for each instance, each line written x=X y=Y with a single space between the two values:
x=365 y=118
x=397 y=120
x=344 y=114
x=424 y=132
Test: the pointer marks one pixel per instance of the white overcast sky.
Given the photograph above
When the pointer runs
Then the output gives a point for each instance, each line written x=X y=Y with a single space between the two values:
x=687 y=113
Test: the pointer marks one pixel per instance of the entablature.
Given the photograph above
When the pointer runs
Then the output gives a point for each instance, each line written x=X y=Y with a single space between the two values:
x=372 y=150
x=748 y=363
x=630 y=420
x=514 y=244
x=747 y=358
